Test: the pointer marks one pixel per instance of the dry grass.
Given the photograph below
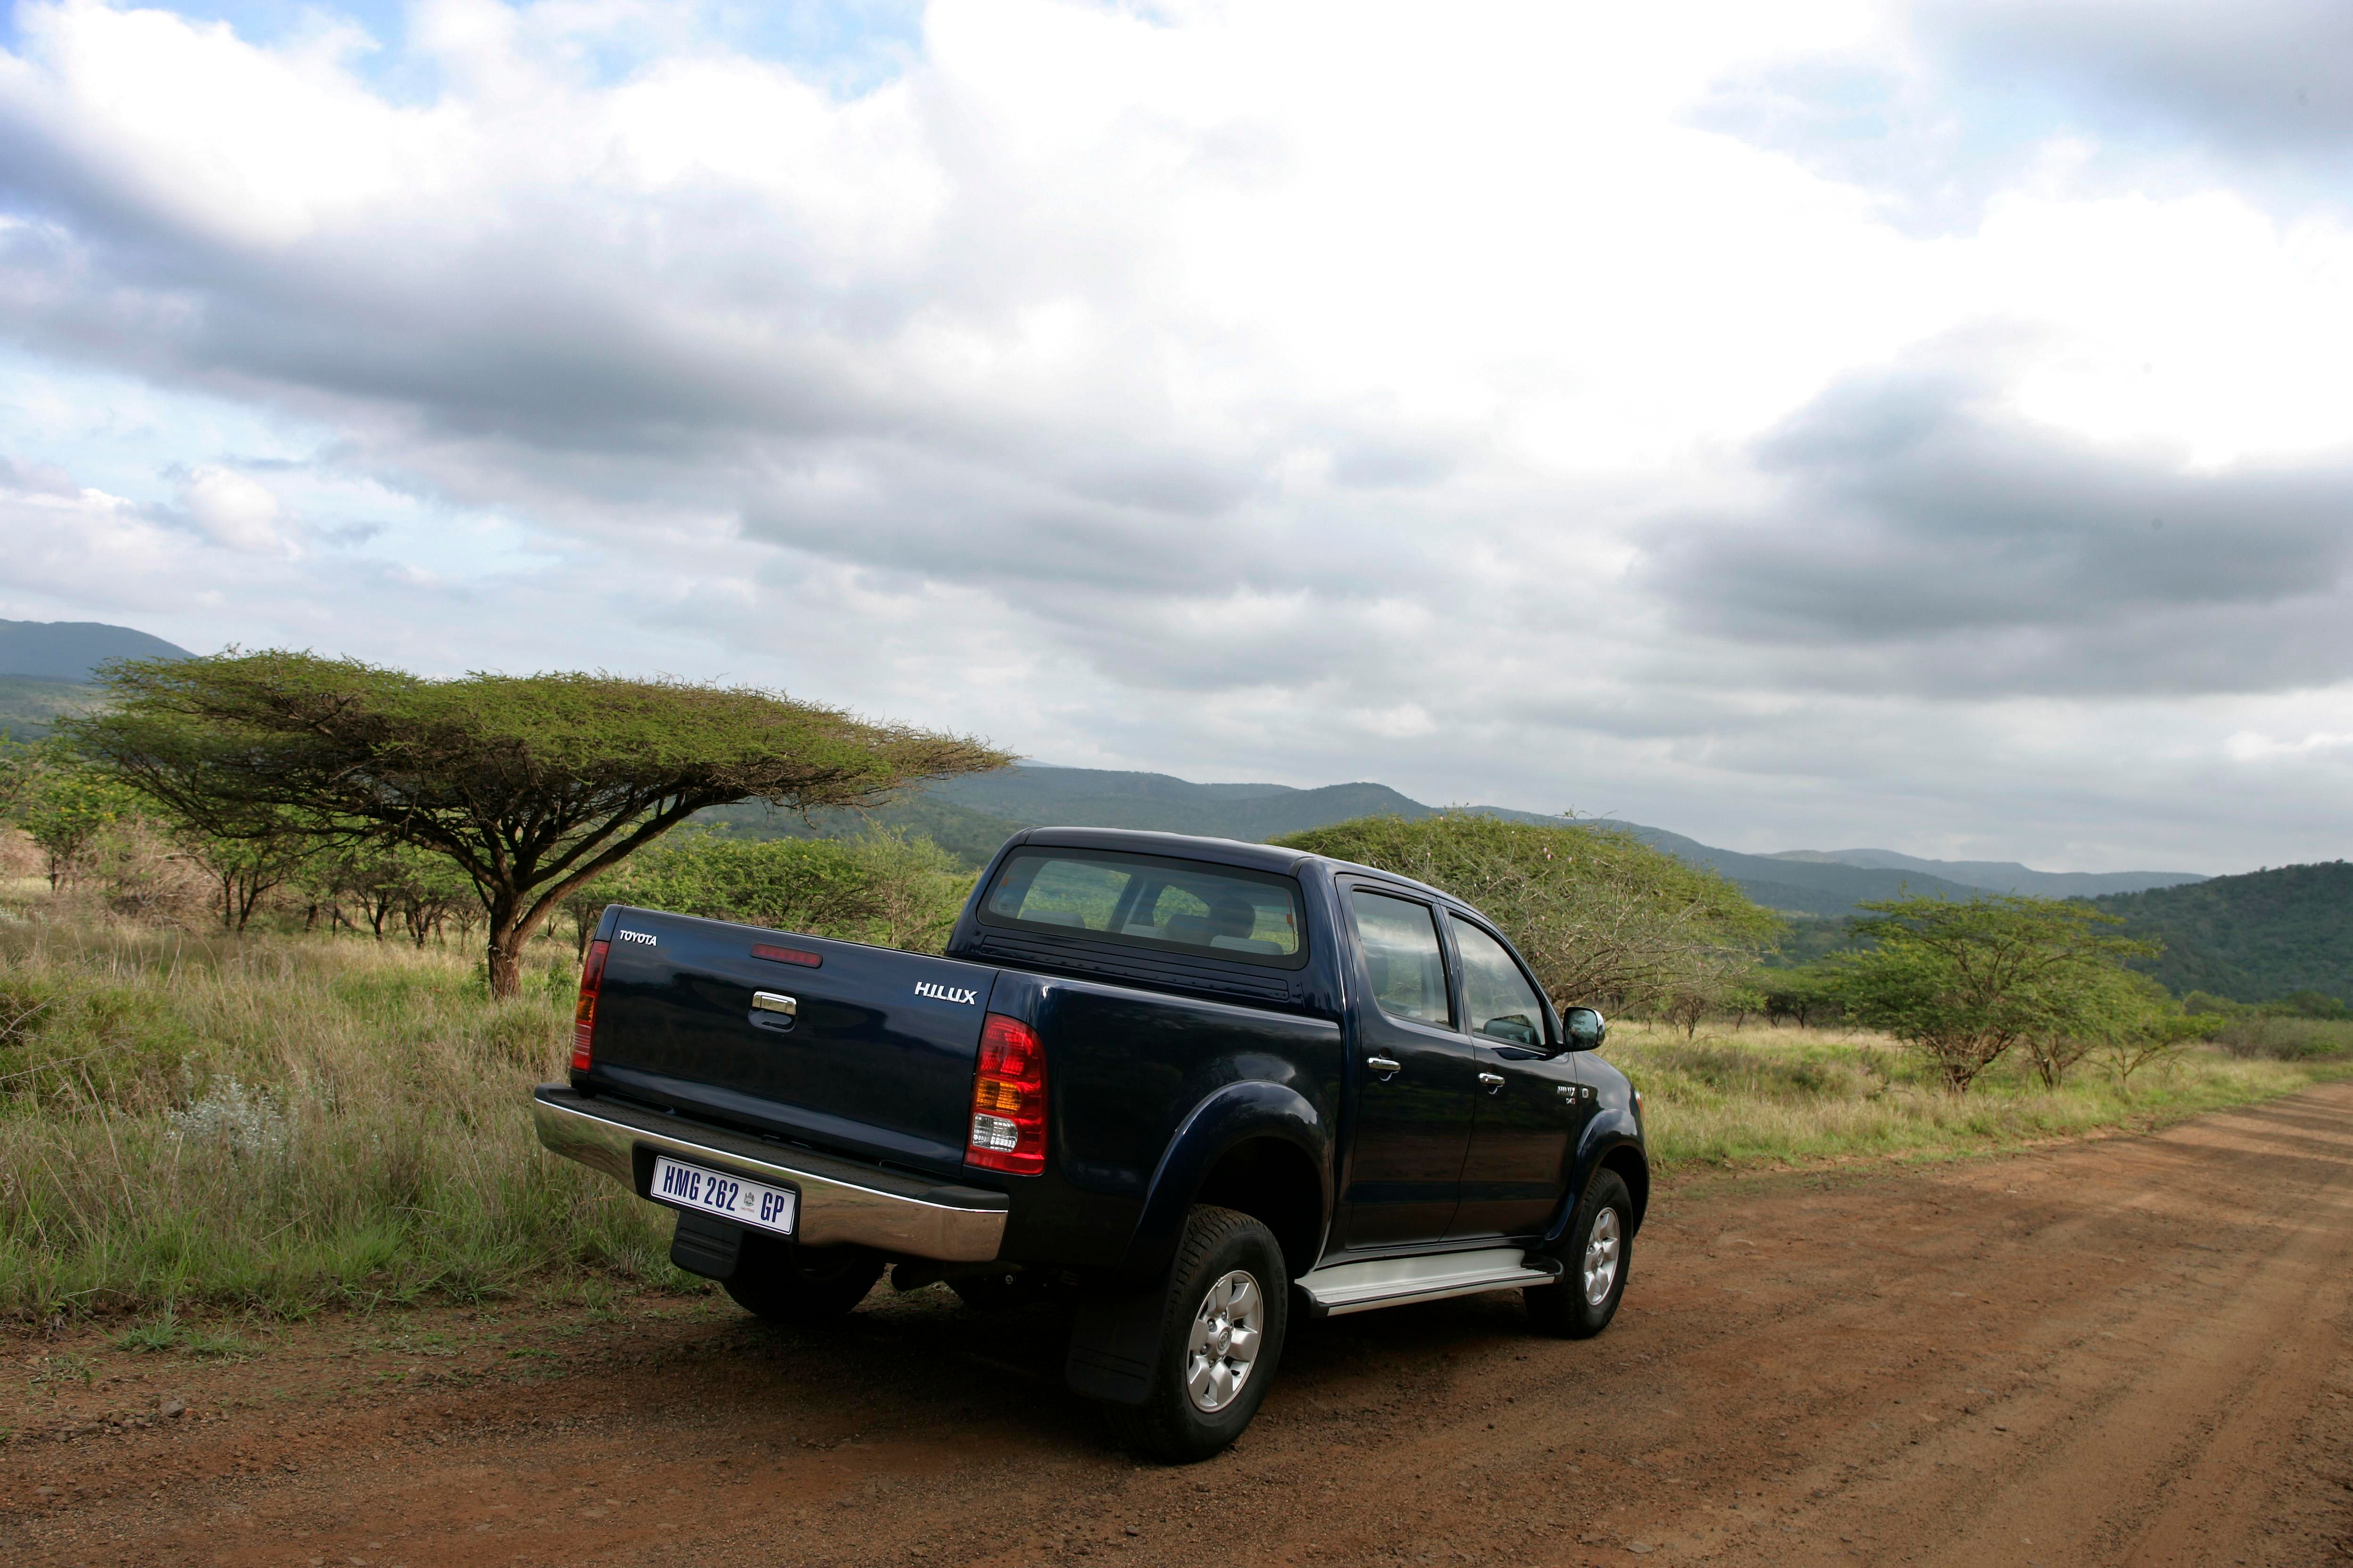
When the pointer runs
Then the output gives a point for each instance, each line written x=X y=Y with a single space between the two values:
x=1782 y=1095
x=282 y=1122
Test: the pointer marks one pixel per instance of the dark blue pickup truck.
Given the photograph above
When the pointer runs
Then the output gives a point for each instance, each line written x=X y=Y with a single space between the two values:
x=1203 y=1084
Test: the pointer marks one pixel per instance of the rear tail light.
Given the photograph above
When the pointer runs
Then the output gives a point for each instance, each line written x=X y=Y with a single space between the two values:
x=583 y=1012
x=1009 y=1099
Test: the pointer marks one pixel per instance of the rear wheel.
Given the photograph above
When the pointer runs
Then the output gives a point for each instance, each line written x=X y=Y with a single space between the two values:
x=1220 y=1338
x=789 y=1284
x=1596 y=1250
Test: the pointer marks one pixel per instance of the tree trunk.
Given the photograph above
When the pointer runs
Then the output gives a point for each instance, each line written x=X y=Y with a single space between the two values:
x=512 y=922
x=505 y=965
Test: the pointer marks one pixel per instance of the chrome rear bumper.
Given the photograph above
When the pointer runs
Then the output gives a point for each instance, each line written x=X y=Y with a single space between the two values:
x=841 y=1201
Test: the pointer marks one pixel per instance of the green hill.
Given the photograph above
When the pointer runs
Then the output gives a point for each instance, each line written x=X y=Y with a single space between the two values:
x=2253 y=938
x=29 y=709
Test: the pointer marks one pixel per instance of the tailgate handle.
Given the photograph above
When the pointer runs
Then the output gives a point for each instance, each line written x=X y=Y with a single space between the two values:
x=776 y=1002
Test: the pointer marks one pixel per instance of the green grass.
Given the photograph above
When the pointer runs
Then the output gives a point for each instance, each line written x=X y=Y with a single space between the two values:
x=282 y=1123
x=1787 y=1094
x=167 y=1331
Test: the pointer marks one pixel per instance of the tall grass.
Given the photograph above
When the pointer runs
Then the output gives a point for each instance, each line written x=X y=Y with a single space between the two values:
x=1768 y=1094
x=282 y=1122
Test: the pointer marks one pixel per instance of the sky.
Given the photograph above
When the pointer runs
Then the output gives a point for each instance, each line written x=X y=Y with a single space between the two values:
x=1920 y=426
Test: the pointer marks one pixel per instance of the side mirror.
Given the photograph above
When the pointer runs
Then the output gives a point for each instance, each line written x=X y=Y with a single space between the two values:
x=1586 y=1028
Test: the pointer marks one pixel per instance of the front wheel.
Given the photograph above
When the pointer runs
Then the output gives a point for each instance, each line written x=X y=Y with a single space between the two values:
x=1221 y=1335
x=1597 y=1250
x=789 y=1284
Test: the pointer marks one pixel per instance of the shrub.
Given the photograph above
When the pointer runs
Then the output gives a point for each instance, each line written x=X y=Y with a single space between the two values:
x=1602 y=917
x=1961 y=981
x=2279 y=1037
x=883 y=887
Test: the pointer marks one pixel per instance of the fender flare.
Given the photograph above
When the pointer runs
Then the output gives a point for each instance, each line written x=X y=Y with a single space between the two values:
x=1229 y=1115
x=1607 y=1132
x=1115 y=1340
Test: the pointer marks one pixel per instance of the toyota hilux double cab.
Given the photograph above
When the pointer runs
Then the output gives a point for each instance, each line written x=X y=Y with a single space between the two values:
x=1201 y=1085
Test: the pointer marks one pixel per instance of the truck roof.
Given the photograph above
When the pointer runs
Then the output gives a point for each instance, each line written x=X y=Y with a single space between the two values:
x=1217 y=851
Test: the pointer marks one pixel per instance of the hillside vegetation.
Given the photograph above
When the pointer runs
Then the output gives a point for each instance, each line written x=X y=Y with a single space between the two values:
x=29 y=709
x=2253 y=938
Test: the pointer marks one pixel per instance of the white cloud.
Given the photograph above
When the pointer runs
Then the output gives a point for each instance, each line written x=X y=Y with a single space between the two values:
x=234 y=510
x=1216 y=388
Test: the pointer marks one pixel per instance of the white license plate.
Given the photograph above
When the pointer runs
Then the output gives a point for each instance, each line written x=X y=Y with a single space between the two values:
x=730 y=1197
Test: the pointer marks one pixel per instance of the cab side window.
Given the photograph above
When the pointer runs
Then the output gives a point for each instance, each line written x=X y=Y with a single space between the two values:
x=1402 y=957
x=1502 y=1005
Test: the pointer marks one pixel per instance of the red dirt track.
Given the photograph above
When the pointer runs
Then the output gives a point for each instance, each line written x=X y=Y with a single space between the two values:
x=2133 y=1351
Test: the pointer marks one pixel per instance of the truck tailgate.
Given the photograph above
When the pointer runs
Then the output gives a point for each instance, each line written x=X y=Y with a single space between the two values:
x=874 y=1057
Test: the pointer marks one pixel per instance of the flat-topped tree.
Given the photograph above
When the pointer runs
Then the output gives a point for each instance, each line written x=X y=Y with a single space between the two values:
x=530 y=783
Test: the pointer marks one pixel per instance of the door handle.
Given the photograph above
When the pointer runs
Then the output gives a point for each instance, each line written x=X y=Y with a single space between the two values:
x=1387 y=1066
x=1492 y=1080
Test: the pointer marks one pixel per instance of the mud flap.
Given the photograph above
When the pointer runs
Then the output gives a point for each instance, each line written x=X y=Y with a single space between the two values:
x=1115 y=1343
x=711 y=1247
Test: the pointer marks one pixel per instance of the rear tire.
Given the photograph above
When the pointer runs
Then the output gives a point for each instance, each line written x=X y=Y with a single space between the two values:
x=788 y=1284
x=1598 y=1251
x=1221 y=1336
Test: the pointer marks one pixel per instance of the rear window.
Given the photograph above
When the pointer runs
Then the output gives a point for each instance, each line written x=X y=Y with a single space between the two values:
x=1141 y=901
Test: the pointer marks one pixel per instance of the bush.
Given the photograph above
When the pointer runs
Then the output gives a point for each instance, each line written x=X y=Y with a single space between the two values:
x=883 y=887
x=1602 y=917
x=2283 y=1038
x=1961 y=981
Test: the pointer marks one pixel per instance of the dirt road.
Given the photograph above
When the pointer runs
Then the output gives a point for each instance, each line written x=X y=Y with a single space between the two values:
x=2136 y=1351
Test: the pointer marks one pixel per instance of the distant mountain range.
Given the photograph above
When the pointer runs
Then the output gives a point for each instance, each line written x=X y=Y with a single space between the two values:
x=972 y=817
x=70 y=651
x=2001 y=875
x=46 y=666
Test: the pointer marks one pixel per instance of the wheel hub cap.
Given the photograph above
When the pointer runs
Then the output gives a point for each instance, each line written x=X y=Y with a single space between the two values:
x=1599 y=1270
x=1223 y=1346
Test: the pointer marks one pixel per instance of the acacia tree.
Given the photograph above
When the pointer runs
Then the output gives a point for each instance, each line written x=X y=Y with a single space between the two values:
x=66 y=807
x=1962 y=982
x=1601 y=917
x=2148 y=1026
x=248 y=867
x=530 y=785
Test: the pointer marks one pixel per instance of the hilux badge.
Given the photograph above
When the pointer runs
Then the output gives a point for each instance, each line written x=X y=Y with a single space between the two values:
x=947 y=993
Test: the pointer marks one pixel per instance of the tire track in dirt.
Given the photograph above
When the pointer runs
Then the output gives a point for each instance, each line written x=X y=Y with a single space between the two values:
x=2136 y=1350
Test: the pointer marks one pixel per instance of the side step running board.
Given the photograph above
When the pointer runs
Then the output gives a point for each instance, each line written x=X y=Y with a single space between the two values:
x=1340 y=1288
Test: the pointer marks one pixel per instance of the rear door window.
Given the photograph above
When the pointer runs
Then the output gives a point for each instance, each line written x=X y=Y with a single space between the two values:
x=1143 y=900
x=1402 y=958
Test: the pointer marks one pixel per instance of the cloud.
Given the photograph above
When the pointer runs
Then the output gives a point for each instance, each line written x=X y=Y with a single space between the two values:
x=1208 y=388
x=2256 y=79
x=1929 y=541
x=1939 y=107
x=234 y=510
